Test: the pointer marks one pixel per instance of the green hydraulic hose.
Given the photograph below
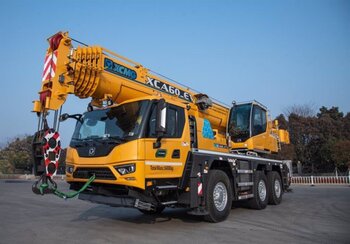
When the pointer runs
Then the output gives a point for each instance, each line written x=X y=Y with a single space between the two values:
x=73 y=194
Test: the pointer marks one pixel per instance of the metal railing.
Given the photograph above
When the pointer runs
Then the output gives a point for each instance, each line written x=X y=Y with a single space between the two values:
x=321 y=180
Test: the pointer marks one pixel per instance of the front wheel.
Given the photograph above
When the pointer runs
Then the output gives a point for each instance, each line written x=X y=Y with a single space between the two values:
x=260 y=199
x=218 y=196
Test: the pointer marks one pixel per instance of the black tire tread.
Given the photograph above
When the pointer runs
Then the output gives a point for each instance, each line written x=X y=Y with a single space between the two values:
x=273 y=199
x=215 y=216
x=255 y=202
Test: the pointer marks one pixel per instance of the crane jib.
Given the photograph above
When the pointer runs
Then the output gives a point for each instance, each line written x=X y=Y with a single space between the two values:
x=123 y=71
x=161 y=86
x=119 y=69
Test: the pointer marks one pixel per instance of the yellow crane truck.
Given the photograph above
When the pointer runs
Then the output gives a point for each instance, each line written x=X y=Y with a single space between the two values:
x=149 y=142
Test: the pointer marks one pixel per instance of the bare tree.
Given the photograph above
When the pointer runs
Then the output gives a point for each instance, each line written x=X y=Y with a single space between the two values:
x=303 y=110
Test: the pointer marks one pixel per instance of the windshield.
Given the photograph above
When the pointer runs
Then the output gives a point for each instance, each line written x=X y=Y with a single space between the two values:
x=118 y=122
x=240 y=122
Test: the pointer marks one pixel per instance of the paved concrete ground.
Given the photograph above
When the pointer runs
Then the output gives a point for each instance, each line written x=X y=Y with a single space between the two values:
x=318 y=214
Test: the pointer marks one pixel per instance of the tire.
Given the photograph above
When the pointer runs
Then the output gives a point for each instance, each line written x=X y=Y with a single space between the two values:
x=159 y=209
x=218 y=196
x=275 y=190
x=260 y=199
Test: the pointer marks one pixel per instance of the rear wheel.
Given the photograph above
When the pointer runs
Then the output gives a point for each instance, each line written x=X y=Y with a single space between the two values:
x=260 y=199
x=218 y=196
x=274 y=188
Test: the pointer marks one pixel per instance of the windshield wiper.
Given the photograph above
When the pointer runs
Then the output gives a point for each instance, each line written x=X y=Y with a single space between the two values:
x=117 y=138
x=77 y=142
x=103 y=140
x=109 y=140
x=93 y=137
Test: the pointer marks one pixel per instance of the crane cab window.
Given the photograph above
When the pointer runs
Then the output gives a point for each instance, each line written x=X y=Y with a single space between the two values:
x=239 y=123
x=174 y=123
x=258 y=120
x=123 y=122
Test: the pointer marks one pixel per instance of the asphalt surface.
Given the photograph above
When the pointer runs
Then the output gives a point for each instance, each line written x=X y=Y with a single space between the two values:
x=319 y=214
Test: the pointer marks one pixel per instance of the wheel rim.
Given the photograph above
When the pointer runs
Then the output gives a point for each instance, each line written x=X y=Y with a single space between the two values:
x=277 y=188
x=262 y=190
x=220 y=196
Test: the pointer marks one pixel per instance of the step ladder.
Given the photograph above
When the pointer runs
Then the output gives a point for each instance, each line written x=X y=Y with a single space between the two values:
x=169 y=188
x=245 y=180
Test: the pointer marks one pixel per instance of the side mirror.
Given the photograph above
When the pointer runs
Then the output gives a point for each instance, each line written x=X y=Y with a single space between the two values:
x=160 y=122
x=161 y=117
x=64 y=117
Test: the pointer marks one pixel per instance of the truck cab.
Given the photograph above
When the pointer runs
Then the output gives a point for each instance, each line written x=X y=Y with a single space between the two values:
x=126 y=144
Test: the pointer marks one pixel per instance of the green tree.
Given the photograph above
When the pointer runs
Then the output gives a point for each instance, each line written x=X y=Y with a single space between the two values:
x=333 y=113
x=320 y=142
x=340 y=152
x=17 y=155
x=6 y=167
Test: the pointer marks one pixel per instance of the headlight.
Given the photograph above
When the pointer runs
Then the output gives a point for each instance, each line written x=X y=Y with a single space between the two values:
x=69 y=169
x=126 y=169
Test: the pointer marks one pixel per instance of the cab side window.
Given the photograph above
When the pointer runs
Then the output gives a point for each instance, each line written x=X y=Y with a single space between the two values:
x=258 y=120
x=174 y=124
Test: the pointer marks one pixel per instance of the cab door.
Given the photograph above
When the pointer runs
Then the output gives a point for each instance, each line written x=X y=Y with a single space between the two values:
x=169 y=159
x=258 y=127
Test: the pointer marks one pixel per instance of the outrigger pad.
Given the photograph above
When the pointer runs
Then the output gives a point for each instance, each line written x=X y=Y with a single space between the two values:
x=51 y=151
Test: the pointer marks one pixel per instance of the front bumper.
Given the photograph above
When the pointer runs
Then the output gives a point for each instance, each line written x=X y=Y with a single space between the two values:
x=107 y=174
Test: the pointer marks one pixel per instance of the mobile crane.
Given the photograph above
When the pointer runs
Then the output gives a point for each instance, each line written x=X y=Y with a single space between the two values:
x=147 y=142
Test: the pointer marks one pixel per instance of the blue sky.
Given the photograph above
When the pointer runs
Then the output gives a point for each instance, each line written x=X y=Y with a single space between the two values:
x=277 y=52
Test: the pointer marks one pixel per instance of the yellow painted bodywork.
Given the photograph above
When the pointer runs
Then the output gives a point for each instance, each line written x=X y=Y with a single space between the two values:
x=82 y=72
x=267 y=142
x=142 y=153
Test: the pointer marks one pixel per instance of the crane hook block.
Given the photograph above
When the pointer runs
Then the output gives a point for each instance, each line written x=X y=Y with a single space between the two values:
x=51 y=151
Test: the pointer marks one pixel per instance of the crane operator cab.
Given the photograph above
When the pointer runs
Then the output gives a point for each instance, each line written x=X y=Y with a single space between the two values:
x=248 y=128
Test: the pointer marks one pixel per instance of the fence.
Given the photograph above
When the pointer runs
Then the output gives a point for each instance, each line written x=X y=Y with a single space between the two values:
x=319 y=180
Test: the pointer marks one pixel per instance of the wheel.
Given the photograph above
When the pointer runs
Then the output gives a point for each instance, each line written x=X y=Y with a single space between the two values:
x=156 y=211
x=274 y=184
x=218 y=196
x=260 y=199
